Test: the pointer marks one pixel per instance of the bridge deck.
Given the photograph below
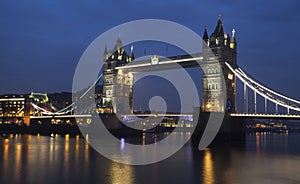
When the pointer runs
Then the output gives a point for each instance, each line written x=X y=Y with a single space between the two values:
x=167 y=63
x=62 y=116
x=158 y=115
x=266 y=116
x=237 y=115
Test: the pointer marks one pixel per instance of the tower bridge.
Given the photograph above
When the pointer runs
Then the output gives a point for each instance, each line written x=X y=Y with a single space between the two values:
x=221 y=72
x=119 y=70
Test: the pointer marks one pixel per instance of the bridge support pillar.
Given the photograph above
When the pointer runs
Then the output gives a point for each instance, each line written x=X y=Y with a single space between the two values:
x=245 y=98
x=231 y=132
x=255 y=107
x=266 y=107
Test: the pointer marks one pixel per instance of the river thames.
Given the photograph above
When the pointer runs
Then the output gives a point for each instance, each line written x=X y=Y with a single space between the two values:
x=265 y=158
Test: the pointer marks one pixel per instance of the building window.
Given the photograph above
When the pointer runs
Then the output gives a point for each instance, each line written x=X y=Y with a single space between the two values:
x=230 y=76
x=213 y=86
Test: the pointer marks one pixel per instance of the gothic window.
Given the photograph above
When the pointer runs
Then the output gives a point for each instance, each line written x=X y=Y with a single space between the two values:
x=213 y=86
x=119 y=57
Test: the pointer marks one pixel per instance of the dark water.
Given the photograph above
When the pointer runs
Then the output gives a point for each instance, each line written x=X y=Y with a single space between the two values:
x=266 y=158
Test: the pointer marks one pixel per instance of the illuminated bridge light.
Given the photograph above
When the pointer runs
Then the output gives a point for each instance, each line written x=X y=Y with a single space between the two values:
x=269 y=95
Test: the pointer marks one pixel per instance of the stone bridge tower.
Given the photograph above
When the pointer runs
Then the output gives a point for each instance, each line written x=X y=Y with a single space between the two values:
x=116 y=84
x=225 y=50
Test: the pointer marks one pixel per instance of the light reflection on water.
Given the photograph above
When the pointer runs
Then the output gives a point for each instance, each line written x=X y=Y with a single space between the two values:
x=121 y=174
x=265 y=158
x=208 y=168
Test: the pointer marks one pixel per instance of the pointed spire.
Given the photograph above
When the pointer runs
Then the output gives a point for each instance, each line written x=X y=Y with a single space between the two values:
x=205 y=35
x=118 y=44
x=220 y=16
x=219 y=31
x=233 y=40
x=233 y=36
x=105 y=51
x=131 y=57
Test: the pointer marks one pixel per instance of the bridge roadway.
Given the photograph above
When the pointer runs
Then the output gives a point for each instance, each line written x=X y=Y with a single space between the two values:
x=234 y=115
x=186 y=61
x=125 y=115
x=62 y=116
x=266 y=116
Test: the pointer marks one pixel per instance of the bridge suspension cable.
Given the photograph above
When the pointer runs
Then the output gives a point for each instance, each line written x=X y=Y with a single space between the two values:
x=71 y=106
x=277 y=98
x=240 y=70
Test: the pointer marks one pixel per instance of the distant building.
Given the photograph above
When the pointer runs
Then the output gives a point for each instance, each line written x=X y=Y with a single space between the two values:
x=59 y=101
x=51 y=102
x=15 y=108
x=38 y=97
x=12 y=105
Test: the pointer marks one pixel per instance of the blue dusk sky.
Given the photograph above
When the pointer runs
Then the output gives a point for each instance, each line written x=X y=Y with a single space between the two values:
x=41 y=41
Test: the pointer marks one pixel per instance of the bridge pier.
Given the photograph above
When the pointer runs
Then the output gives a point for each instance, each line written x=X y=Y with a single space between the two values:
x=232 y=130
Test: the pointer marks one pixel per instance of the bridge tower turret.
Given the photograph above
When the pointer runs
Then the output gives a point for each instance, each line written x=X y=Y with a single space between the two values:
x=225 y=50
x=116 y=83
